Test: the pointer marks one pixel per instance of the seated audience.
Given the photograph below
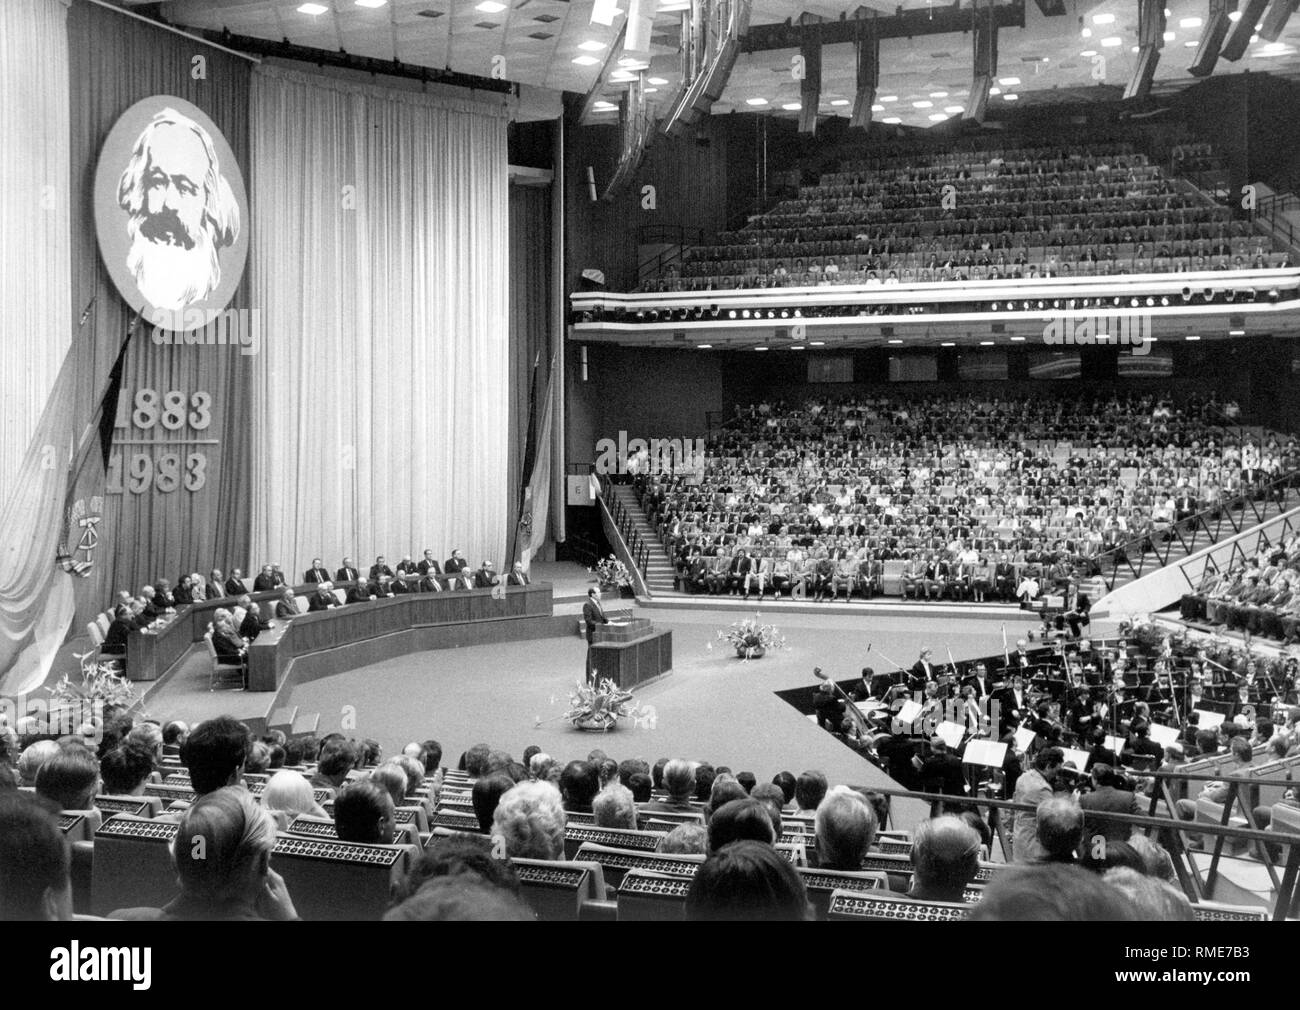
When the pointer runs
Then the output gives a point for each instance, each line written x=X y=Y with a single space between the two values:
x=530 y=820
x=747 y=881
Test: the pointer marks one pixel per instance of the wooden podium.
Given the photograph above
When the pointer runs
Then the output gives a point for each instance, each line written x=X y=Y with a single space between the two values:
x=630 y=651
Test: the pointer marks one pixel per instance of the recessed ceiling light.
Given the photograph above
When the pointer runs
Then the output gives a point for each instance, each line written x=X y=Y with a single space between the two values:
x=490 y=7
x=1190 y=23
x=370 y=3
x=816 y=343
x=877 y=108
x=840 y=102
x=1190 y=337
x=703 y=347
x=895 y=341
x=943 y=94
x=1011 y=98
x=1103 y=19
x=891 y=120
x=591 y=46
x=796 y=347
x=948 y=343
x=1236 y=333
x=312 y=9
x=889 y=98
x=1017 y=340
x=952 y=110
x=585 y=61
x=1009 y=82
x=923 y=105
x=658 y=82
x=1088 y=52
x=986 y=343
x=1111 y=41
x=792 y=106
x=755 y=101
x=938 y=117
x=760 y=348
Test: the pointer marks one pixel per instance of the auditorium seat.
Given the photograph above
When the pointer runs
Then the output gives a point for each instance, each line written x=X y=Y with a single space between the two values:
x=222 y=672
x=576 y=835
x=666 y=819
x=79 y=825
x=139 y=806
x=1213 y=911
x=821 y=884
x=616 y=862
x=877 y=907
x=132 y=864
x=323 y=827
x=333 y=880
x=556 y=890
x=646 y=896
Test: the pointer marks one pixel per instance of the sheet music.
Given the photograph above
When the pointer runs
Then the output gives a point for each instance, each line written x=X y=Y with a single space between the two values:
x=1208 y=720
x=951 y=734
x=1078 y=757
x=985 y=752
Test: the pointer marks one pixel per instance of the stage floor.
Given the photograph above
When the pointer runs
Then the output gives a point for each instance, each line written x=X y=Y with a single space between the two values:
x=712 y=707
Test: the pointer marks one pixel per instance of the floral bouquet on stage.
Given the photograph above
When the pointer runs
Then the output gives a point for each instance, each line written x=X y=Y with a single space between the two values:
x=751 y=638
x=599 y=708
x=612 y=574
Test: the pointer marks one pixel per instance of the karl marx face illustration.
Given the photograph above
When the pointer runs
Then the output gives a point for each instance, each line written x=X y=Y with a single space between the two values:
x=181 y=212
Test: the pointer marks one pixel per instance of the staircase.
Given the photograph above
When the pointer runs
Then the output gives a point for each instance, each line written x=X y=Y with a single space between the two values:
x=659 y=566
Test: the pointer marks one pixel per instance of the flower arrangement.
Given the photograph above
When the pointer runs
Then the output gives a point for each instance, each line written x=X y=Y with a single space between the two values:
x=599 y=707
x=74 y=705
x=751 y=638
x=612 y=574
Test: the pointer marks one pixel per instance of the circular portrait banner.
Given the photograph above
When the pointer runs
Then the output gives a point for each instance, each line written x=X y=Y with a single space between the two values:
x=171 y=213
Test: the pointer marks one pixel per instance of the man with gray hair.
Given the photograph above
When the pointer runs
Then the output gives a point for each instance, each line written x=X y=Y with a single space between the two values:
x=1059 y=830
x=679 y=781
x=945 y=858
x=613 y=807
x=845 y=828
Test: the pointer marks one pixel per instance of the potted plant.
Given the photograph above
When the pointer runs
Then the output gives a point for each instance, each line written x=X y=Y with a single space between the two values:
x=598 y=708
x=751 y=638
x=612 y=574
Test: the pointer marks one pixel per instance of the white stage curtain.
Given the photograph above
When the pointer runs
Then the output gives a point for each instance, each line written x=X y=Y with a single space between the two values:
x=34 y=264
x=379 y=258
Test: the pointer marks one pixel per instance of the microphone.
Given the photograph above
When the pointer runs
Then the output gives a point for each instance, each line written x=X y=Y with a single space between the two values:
x=85 y=313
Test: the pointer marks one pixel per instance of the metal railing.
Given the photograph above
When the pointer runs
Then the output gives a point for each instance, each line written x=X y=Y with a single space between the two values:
x=626 y=526
x=1238 y=513
x=1269 y=211
x=677 y=238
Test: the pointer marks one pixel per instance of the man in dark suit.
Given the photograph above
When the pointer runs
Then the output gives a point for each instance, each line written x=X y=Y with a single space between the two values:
x=518 y=577
x=399 y=585
x=593 y=613
x=316 y=573
x=429 y=564
x=382 y=588
x=323 y=598
x=1107 y=797
x=486 y=577
x=119 y=631
x=183 y=594
x=380 y=567
x=922 y=672
x=942 y=772
x=1013 y=704
x=266 y=580
x=216 y=587
x=455 y=568
x=252 y=625
x=738 y=570
x=430 y=583
x=360 y=592
x=405 y=567
x=235 y=584
x=348 y=573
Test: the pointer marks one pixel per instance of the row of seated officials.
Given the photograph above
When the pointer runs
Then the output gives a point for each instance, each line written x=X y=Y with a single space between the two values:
x=1259 y=594
x=728 y=827
x=155 y=602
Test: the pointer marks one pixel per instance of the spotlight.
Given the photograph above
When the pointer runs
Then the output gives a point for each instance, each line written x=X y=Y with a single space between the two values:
x=1273 y=294
x=1187 y=294
x=1208 y=294
x=1164 y=299
x=731 y=313
x=1150 y=301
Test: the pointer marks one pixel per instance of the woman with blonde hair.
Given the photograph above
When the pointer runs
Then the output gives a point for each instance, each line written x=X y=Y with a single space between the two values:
x=288 y=795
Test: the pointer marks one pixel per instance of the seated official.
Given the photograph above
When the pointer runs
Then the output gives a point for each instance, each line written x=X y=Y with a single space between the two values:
x=486 y=577
x=517 y=576
x=253 y=623
x=348 y=573
x=429 y=564
x=267 y=580
x=430 y=582
x=183 y=594
x=119 y=631
x=323 y=598
x=163 y=600
x=317 y=572
x=226 y=639
x=380 y=567
x=382 y=588
x=406 y=568
x=456 y=568
x=360 y=592
x=222 y=855
x=286 y=606
x=399 y=585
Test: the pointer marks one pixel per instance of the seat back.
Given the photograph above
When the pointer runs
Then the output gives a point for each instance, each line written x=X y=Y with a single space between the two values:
x=323 y=827
x=614 y=862
x=646 y=896
x=667 y=819
x=556 y=890
x=575 y=835
x=139 y=806
x=821 y=884
x=79 y=825
x=878 y=907
x=333 y=880
x=455 y=820
x=133 y=864
x=96 y=636
x=1214 y=911
x=104 y=623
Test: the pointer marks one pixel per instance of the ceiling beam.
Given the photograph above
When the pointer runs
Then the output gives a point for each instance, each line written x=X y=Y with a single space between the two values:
x=903 y=25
